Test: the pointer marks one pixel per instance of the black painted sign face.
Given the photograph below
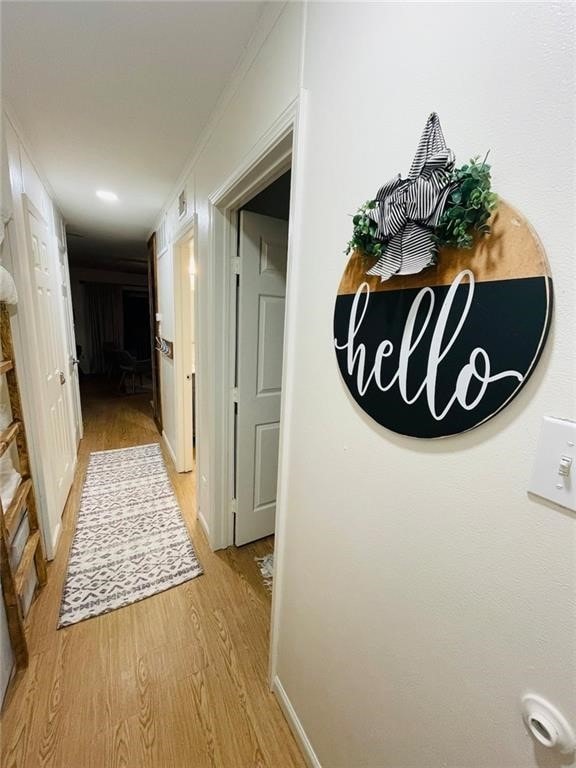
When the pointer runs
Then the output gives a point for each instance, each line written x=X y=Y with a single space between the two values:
x=440 y=352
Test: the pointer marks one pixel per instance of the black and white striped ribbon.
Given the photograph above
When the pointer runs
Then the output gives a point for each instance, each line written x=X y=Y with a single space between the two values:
x=408 y=209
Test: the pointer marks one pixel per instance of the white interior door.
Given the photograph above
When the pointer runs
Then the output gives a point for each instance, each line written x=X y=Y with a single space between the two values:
x=58 y=451
x=263 y=250
x=73 y=383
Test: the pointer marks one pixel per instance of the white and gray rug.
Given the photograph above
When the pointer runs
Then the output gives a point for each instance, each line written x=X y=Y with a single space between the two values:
x=131 y=541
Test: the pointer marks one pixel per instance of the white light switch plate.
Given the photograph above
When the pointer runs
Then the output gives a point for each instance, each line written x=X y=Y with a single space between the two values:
x=557 y=441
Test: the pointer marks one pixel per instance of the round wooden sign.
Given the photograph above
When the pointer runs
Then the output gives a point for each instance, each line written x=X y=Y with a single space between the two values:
x=440 y=352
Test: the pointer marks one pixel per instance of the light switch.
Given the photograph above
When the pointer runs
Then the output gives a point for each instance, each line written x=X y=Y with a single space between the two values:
x=554 y=473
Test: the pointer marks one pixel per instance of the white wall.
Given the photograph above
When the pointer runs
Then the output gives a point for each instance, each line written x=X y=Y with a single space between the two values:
x=423 y=592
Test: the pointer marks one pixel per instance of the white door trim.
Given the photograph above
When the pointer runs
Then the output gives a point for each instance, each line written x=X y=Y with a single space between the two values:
x=76 y=401
x=268 y=160
x=295 y=244
x=280 y=148
x=69 y=335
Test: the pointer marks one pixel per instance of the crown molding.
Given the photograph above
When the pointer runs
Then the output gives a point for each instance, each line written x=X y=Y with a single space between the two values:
x=11 y=116
x=268 y=20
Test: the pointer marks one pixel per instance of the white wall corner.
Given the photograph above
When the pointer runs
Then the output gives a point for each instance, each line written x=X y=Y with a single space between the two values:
x=11 y=117
x=295 y=725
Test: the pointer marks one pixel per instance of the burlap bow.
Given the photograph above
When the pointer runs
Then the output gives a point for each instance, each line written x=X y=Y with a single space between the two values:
x=407 y=210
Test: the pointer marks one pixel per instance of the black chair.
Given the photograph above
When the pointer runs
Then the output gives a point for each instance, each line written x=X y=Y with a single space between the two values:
x=130 y=367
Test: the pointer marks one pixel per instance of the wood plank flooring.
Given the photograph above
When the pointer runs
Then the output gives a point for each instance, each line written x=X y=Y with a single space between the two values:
x=178 y=680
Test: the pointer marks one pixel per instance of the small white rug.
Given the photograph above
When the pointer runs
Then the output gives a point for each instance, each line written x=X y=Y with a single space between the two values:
x=131 y=541
x=266 y=565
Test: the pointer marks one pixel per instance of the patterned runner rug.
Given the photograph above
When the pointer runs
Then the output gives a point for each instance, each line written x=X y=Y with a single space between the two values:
x=131 y=541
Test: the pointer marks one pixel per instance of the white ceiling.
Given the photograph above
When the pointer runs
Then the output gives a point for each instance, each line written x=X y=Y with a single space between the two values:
x=114 y=95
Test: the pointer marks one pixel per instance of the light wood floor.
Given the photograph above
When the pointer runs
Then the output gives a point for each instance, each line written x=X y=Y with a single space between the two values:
x=175 y=681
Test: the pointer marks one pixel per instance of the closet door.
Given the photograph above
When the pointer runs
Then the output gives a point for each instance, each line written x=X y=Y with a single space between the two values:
x=59 y=452
x=263 y=251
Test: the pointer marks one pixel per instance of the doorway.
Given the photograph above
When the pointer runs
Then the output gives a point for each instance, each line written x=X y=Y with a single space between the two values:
x=260 y=295
x=270 y=159
x=136 y=311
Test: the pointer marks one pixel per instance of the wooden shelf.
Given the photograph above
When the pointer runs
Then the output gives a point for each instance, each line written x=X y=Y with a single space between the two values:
x=26 y=562
x=12 y=515
x=8 y=435
x=14 y=580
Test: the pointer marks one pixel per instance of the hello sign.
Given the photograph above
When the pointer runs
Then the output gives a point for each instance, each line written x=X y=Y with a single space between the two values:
x=440 y=352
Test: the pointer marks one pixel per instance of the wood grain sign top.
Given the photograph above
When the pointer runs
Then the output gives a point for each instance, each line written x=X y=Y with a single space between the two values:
x=440 y=352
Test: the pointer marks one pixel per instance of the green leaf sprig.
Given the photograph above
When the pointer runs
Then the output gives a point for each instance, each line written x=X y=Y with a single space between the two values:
x=469 y=206
x=364 y=237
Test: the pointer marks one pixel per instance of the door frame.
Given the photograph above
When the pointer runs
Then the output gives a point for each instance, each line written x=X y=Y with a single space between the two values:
x=281 y=148
x=70 y=335
x=183 y=341
x=274 y=159
x=154 y=353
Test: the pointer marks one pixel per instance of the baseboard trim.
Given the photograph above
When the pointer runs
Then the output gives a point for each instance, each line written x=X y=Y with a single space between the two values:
x=52 y=547
x=204 y=525
x=295 y=724
x=169 y=447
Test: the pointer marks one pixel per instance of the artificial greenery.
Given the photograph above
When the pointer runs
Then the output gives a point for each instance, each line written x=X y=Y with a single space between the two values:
x=364 y=236
x=469 y=206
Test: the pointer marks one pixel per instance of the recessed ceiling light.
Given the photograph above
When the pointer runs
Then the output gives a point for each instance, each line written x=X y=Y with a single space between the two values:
x=109 y=197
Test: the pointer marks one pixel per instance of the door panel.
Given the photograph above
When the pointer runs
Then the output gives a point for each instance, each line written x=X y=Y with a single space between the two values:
x=59 y=453
x=270 y=344
x=261 y=303
x=266 y=465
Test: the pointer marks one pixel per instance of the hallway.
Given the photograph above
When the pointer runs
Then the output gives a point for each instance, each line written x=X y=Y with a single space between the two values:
x=175 y=681
x=347 y=277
